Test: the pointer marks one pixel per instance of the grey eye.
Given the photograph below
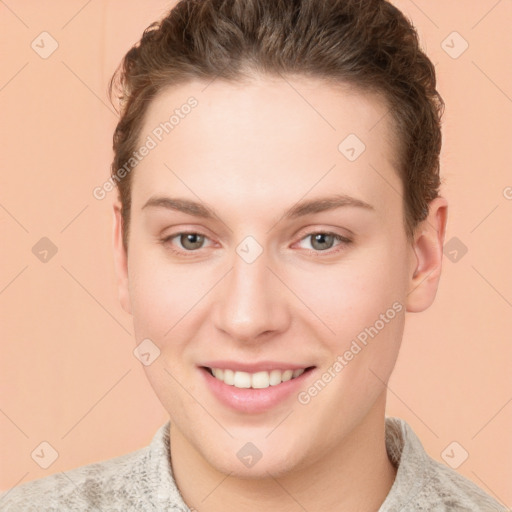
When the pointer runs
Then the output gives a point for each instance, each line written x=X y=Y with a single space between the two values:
x=191 y=241
x=318 y=240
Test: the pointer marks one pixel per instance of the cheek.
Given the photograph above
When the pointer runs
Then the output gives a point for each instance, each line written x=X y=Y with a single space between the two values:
x=360 y=304
x=349 y=296
x=163 y=295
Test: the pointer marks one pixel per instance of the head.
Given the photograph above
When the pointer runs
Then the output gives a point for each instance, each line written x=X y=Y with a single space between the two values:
x=264 y=114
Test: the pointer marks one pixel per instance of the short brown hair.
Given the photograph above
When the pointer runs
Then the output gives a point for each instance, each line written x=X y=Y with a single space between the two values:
x=368 y=44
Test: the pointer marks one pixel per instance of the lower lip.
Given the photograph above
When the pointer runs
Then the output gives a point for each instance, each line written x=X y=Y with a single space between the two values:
x=249 y=400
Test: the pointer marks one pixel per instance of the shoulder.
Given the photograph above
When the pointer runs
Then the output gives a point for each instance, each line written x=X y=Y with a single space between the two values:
x=137 y=481
x=102 y=485
x=449 y=490
x=424 y=484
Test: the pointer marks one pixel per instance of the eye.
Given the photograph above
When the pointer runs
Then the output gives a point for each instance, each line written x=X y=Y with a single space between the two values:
x=323 y=241
x=189 y=242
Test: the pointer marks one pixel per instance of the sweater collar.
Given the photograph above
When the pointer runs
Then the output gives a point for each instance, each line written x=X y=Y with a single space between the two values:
x=407 y=454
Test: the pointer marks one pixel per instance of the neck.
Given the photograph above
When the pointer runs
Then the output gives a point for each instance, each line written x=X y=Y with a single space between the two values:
x=356 y=476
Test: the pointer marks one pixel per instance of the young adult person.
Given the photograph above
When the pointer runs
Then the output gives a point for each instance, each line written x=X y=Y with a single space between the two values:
x=277 y=163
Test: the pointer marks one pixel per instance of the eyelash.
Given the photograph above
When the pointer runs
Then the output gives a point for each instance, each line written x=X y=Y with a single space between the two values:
x=344 y=241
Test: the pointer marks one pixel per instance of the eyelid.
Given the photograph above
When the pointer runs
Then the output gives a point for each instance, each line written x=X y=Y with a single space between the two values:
x=168 y=238
x=343 y=241
x=345 y=234
x=311 y=230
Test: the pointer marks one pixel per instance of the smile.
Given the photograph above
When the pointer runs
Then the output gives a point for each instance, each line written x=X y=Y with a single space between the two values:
x=257 y=380
x=254 y=388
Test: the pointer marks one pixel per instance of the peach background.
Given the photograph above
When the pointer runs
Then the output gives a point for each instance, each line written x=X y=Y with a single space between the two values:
x=68 y=374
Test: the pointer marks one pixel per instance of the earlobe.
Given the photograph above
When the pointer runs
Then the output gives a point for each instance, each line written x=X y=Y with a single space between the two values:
x=427 y=257
x=120 y=259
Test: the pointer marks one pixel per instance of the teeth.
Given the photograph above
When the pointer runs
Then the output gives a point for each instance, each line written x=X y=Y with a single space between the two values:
x=258 y=380
x=218 y=373
x=229 y=377
x=275 y=377
x=287 y=375
x=242 y=380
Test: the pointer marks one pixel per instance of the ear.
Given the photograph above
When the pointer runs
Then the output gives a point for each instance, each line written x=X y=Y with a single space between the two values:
x=427 y=257
x=120 y=259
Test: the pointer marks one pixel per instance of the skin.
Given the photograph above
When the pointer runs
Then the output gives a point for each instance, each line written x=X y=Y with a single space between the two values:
x=250 y=152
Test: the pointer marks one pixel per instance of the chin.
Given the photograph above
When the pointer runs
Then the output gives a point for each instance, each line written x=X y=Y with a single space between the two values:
x=260 y=471
x=252 y=464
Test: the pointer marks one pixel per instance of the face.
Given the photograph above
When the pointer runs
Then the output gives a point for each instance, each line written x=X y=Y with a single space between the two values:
x=259 y=240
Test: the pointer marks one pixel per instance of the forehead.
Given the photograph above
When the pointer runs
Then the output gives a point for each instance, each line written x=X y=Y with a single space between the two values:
x=268 y=136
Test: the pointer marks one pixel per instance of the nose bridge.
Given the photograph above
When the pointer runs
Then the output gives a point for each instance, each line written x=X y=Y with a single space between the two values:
x=248 y=302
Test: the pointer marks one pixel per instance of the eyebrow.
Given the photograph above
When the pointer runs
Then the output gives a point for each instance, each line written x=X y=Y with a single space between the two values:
x=298 y=210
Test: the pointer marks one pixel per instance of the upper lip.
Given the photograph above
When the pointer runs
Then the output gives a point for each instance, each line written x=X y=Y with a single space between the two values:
x=254 y=367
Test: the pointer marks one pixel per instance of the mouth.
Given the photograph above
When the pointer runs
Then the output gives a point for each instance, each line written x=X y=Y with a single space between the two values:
x=256 y=387
x=256 y=380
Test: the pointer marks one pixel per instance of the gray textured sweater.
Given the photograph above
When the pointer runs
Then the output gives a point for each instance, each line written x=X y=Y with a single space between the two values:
x=142 y=480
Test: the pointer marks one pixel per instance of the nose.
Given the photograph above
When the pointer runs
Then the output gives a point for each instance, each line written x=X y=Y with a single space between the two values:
x=251 y=303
